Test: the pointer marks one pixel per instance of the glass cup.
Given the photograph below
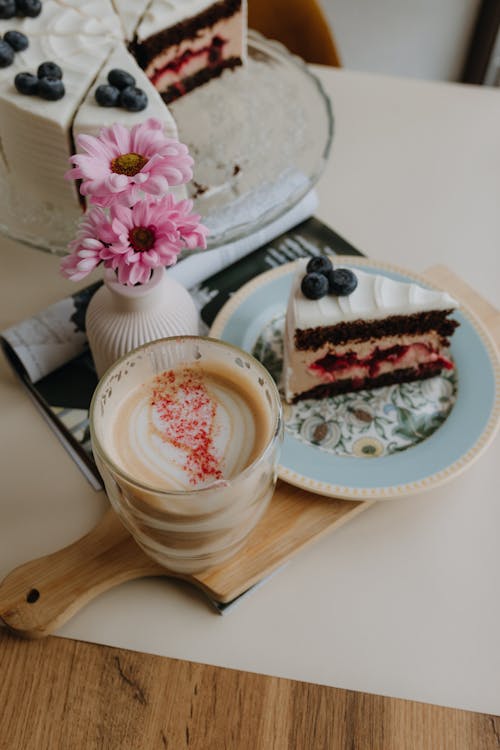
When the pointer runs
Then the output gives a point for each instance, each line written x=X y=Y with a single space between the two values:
x=190 y=529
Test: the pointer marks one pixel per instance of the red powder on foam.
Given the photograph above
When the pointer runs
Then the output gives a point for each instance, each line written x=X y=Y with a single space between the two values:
x=183 y=404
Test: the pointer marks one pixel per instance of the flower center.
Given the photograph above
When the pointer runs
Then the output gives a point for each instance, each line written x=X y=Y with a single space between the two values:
x=141 y=238
x=129 y=164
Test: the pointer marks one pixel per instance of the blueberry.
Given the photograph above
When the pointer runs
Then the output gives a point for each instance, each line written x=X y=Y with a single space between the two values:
x=31 y=8
x=49 y=70
x=120 y=79
x=26 y=83
x=342 y=281
x=7 y=8
x=51 y=88
x=133 y=99
x=319 y=264
x=6 y=54
x=17 y=40
x=314 y=285
x=107 y=96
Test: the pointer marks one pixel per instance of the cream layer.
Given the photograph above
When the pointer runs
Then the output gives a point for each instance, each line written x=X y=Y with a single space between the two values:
x=301 y=372
x=364 y=349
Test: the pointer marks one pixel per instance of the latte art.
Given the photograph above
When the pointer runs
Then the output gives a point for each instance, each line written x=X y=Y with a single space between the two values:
x=190 y=427
x=186 y=434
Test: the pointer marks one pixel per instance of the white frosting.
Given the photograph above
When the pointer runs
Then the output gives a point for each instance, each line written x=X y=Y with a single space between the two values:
x=90 y=117
x=55 y=18
x=161 y=14
x=35 y=132
x=98 y=17
x=376 y=296
x=68 y=17
x=80 y=57
x=130 y=13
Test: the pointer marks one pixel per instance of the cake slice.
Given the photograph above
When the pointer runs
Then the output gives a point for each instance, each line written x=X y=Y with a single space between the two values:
x=182 y=44
x=91 y=117
x=348 y=329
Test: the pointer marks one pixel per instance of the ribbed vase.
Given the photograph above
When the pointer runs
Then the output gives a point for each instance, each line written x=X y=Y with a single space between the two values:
x=119 y=318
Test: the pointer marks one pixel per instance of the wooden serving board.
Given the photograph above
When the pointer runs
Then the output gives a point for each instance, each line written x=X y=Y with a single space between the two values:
x=41 y=595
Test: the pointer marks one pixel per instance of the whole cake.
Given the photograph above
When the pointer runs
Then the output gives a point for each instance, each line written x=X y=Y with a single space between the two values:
x=69 y=67
x=348 y=329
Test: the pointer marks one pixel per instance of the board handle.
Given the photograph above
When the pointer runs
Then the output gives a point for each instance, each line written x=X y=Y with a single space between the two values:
x=41 y=595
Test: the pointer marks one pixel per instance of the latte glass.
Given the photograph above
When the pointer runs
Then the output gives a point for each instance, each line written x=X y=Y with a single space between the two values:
x=190 y=529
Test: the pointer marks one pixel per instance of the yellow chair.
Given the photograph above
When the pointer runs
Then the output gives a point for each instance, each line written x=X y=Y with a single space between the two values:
x=300 y=25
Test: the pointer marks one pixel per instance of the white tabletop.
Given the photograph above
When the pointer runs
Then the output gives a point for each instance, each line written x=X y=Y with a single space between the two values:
x=403 y=600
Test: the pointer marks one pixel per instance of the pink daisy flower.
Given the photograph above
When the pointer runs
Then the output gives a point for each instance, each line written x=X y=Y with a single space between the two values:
x=193 y=233
x=120 y=163
x=134 y=241
x=151 y=234
x=87 y=246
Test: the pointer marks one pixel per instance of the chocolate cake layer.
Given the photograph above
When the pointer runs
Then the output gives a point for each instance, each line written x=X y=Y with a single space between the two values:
x=389 y=378
x=150 y=48
x=363 y=330
x=198 y=79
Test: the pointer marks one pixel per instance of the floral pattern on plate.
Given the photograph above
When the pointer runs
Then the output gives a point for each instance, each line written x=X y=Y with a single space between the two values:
x=368 y=423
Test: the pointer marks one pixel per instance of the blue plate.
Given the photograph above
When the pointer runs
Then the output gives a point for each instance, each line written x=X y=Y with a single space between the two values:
x=468 y=429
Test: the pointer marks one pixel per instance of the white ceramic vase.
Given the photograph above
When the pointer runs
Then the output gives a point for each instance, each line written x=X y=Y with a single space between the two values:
x=119 y=318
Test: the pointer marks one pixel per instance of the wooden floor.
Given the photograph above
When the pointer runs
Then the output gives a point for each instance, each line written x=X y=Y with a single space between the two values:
x=58 y=694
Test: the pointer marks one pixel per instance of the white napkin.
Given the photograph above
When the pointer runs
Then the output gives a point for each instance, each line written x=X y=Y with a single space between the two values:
x=196 y=268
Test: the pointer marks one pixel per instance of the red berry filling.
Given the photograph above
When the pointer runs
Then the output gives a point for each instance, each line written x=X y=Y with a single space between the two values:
x=332 y=367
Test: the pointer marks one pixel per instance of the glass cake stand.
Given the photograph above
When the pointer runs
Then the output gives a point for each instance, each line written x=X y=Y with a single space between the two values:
x=260 y=137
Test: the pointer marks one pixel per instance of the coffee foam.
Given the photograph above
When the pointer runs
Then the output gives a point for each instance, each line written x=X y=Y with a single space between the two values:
x=190 y=426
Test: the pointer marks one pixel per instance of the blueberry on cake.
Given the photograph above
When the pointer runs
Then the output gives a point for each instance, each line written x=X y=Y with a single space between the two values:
x=348 y=329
